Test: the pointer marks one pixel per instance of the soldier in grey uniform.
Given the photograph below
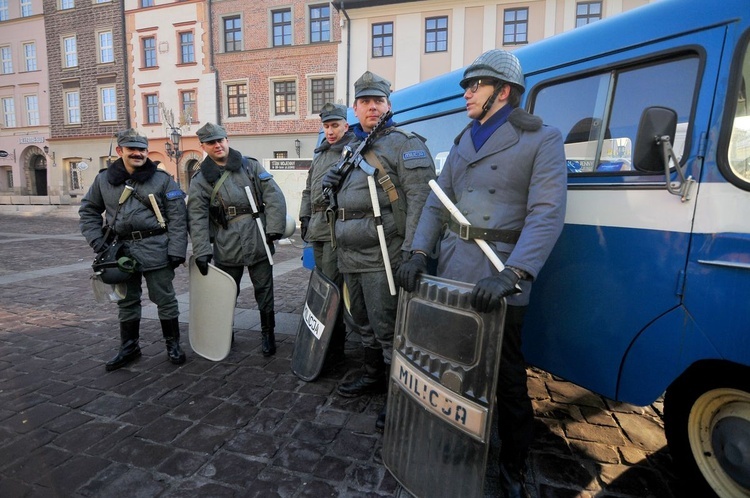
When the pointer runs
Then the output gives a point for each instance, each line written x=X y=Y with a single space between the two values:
x=158 y=251
x=506 y=173
x=221 y=216
x=312 y=212
x=404 y=158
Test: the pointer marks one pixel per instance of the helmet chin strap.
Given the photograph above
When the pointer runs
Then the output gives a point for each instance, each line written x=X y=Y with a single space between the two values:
x=491 y=100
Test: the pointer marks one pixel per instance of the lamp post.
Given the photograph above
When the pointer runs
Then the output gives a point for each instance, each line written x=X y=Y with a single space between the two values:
x=173 y=149
x=297 y=146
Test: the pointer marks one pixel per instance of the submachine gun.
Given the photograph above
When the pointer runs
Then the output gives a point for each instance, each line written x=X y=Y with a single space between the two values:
x=351 y=159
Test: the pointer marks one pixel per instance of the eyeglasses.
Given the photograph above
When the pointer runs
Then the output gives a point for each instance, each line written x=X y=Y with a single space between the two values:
x=213 y=142
x=474 y=85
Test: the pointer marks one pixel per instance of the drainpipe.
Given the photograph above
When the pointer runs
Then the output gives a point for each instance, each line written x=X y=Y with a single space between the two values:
x=127 y=73
x=217 y=81
x=348 y=48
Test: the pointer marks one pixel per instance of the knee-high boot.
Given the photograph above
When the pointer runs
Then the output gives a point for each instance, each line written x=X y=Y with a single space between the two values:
x=129 y=349
x=268 y=340
x=372 y=381
x=171 y=331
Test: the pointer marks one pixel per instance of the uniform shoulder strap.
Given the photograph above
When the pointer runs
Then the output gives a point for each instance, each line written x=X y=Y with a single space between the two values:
x=384 y=179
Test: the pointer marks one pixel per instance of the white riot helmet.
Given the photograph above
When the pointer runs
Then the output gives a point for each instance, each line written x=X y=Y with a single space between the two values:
x=289 y=228
x=496 y=63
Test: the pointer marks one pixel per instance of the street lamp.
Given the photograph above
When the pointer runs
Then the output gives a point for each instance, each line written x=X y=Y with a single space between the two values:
x=173 y=147
x=297 y=145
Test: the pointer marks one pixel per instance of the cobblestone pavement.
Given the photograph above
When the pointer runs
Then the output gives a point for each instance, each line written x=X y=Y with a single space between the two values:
x=245 y=426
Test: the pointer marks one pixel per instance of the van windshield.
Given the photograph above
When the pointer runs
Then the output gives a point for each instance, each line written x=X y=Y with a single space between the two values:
x=739 y=144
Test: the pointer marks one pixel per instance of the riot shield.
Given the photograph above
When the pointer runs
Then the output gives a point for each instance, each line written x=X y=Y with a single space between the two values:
x=441 y=390
x=315 y=326
x=212 y=300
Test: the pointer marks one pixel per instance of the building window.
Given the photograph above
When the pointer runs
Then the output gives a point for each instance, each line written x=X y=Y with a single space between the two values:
x=103 y=1
x=382 y=39
x=32 y=110
x=187 y=48
x=4 y=10
x=280 y=154
x=322 y=92
x=147 y=3
x=29 y=55
x=232 y=34
x=26 y=9
x=282 y=27
x=588 y=12
x=108 y=101
x=9 y=112
x=515 y=26
x=76 y=182
x=187 y=105
x=320 y=23
x=285 y=97
x=67 y=4
x=70 y=51
x=106 y=49
x=436 y=34
x=6 y=60
x=72 y=108
x=9 y=177
x=237 y=100
x=149 y=51
x=152 y=108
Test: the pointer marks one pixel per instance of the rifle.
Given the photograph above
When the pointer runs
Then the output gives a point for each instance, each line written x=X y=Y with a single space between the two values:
x=352 y=158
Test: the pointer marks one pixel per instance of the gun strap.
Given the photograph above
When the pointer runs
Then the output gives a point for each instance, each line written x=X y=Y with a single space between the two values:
x=384 y=178
x=218 y=185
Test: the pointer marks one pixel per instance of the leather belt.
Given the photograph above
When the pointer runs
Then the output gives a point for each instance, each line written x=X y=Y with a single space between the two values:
x=318 y=208
x=142 y=234
x=235 y=210
x=351 y=214
x=467 y=232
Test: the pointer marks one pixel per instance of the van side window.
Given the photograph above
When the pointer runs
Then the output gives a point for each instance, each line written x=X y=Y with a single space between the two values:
x=739 y=143
x=598 y=114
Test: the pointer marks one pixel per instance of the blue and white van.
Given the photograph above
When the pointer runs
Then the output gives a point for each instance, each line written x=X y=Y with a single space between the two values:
x=648 y=289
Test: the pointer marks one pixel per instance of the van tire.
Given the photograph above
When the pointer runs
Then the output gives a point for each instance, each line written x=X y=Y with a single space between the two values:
x=707 y=425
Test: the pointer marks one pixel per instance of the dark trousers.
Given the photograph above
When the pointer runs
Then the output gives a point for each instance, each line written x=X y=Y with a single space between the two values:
x=515 y=413
x=261 y=275
x=160 y=292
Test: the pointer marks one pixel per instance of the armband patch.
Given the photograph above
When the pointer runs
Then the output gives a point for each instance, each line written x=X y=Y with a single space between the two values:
x=175 y=194
x=265 y=175
x=414 y=154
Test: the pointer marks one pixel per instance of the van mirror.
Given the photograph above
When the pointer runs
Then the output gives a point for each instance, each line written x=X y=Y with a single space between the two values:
x=656 y=123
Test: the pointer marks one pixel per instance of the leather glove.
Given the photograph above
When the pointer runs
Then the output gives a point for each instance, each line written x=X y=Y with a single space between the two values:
x=175 y=261
x=270 y=237
x=99 y=245
x=332 y=178
x=409 y=271
x=202 y=263
x=303 y=223
x=489 y=292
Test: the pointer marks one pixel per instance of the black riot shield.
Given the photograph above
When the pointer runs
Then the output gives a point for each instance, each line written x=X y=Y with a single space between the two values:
x=442 y=386
x=315 y=326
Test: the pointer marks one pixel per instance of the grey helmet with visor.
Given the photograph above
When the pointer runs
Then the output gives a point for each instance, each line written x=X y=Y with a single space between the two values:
x=497 y=64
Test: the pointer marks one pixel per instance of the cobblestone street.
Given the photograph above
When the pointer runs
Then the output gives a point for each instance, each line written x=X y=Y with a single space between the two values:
x=245 y=426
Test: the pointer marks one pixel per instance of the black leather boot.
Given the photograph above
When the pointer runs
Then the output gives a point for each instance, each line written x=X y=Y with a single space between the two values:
x=373 y=381
x=129 y=349
x=268 y=339
x=171 y=331
x=513 y=481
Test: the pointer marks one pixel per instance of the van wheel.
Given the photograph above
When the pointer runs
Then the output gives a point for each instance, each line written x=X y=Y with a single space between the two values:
x=707 y=425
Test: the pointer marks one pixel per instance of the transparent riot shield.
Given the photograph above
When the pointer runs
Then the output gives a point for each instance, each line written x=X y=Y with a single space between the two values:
x=441 y=390
x=315 y=326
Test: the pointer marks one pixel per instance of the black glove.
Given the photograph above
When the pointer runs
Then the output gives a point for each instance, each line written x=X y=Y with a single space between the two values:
x=175 y=261
x=270 y=237
x=489 y=292
x=99 y=245
x=202 y=263
x=408 y=272
x=332 y=178
x=303 y=222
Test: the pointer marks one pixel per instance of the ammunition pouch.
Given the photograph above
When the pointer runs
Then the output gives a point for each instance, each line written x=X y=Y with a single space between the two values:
x=218 y=216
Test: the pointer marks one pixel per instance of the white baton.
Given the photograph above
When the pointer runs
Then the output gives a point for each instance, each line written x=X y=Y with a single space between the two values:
x=254 y=207
x=486 y=249
x=381 y=234
x=157 y=211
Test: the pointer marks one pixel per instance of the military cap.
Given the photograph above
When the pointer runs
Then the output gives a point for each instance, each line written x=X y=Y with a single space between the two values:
x=330 y=112
x=371 y=85
x=210 y=131
x=131 y=138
